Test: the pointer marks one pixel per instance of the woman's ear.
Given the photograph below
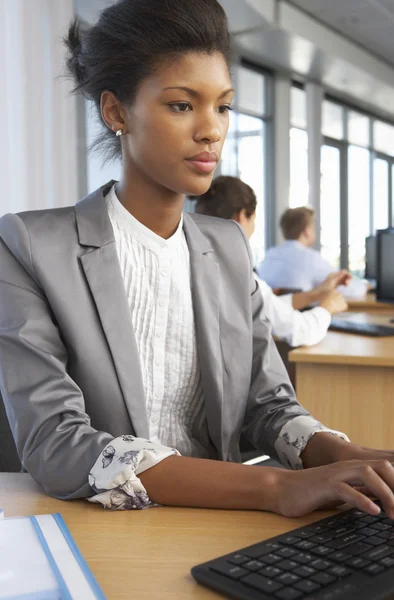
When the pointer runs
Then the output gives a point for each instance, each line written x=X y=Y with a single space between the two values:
x=112 y=112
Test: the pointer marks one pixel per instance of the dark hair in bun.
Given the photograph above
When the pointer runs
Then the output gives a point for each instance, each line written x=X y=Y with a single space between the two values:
x=226 y=197
x=131 y=38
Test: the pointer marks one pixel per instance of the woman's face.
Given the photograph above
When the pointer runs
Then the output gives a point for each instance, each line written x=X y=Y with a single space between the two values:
x=178 y=122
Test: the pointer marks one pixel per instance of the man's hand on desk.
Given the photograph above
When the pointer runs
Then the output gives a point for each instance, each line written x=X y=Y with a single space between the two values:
x=333 y=280
x=333 y=302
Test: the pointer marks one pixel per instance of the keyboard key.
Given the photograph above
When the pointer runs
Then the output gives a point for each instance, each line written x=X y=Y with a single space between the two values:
x=321 y=550
x=290 y=540
x=303 y=558
x=323 y=578
x=286 y=552
x=345 y=540
x=307 y=586
x=304 y=571
x=341 y=531
x=374 y=540
x=261 y=549
x=288 y=579
x=270 y=572
x=305 y=534
x=320 y=539
x=321 y=565
x=232 y=571
x=378 y=553
x=316 y=529
x=339 y=571
x=287 y=565
x=304 y=545
x=238 y=559
x=356 y=549
x=368 y=519
x=388 y=561
x=253 y=565
x=367 y=531
x=386 y=535
x=374 y=569
x=288 y=594
x=262 y=583
x=357 y=562
x=271 y=559
x=340 y=556
x=333 y=523
x=380 y=526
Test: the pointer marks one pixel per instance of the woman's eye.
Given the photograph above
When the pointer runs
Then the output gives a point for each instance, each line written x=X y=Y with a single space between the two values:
x=225 y=108
x=180 y=106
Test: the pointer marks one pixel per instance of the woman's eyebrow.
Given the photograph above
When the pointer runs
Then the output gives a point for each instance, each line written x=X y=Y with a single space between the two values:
x=194 y=93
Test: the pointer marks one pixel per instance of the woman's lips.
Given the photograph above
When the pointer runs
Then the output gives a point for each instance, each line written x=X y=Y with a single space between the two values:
x=202 y=166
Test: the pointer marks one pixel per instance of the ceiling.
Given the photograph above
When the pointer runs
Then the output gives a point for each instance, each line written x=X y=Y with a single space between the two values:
x=369 y=23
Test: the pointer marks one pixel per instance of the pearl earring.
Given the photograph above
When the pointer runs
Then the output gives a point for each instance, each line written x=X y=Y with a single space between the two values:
x=119 y=132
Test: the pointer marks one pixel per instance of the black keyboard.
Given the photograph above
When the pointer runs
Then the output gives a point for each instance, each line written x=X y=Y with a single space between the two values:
x=349 y=556
x=361 y=328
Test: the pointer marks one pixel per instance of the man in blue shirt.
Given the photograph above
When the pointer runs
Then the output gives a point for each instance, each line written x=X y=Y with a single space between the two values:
x=295 y=264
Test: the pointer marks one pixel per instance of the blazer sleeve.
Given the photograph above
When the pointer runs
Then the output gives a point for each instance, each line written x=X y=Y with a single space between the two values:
x=272 y=402
x=45 y=407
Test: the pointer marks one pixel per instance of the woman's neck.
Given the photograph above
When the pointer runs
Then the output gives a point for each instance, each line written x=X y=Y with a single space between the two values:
x=154 y=206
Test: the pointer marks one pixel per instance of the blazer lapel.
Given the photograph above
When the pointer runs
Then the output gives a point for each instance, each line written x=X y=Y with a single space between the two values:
x=205 y=277
x=101 y=267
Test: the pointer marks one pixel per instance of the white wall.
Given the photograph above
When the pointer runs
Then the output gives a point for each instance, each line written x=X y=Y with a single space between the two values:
x=98 y=173
x=38 y=147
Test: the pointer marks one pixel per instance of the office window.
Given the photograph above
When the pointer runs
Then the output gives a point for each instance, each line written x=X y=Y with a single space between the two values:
x=298 y=108
x=359 y=225
x=333 y=120
x=244 y=152
x=366 y=146
x=251 y=166
x=383 y=137
x=299 y=180
x=330 y=199
x=250 y=91
x=380 y=193
x=229 y=161
x=358 y=128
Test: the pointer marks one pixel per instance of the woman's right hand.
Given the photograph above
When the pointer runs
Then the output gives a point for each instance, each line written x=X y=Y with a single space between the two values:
x=334 y=302
x=350 y=482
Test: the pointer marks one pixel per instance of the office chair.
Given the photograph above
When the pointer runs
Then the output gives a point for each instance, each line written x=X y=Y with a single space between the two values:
x=9 y=459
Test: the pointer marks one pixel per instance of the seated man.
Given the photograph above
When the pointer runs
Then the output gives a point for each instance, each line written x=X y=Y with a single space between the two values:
x=231 y=198
x=295 y=264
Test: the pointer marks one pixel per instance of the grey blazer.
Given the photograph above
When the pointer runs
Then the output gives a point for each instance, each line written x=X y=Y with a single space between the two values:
x=69 y=368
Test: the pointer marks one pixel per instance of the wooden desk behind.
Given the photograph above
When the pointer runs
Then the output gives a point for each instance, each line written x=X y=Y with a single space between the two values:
x=147 y=554
x=347 y=382
x=370 y=304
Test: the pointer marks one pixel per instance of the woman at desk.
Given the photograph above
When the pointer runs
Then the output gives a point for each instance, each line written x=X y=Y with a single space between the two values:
x=231 y=198
x=133 y=349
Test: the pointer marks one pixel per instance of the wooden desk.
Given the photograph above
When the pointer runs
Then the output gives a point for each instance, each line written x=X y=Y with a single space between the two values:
x=147 y=554
x=347 y=382
x=370 y=304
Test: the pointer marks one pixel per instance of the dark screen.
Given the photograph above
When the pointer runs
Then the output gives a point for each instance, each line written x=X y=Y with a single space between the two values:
x=385 y=271
x=370 y=257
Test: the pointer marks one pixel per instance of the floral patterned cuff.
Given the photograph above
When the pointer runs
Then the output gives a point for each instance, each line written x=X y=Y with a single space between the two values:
x=295 y=435
x=114 y=475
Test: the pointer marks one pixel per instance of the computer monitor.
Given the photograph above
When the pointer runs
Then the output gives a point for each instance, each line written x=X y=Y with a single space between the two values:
x=370 y=257
x=385 y=265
